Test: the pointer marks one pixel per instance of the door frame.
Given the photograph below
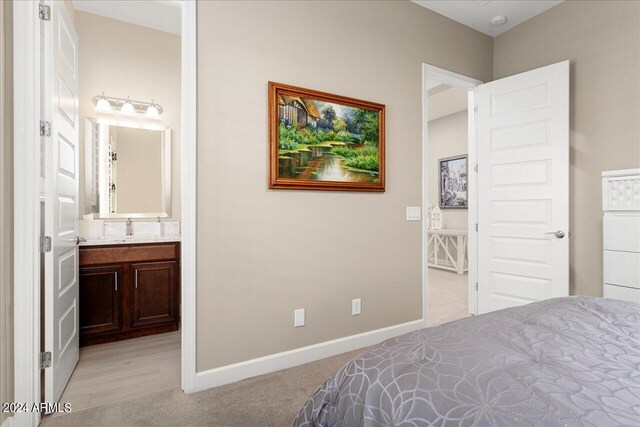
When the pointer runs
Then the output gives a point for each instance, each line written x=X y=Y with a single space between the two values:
x=27 y=158
x=430 y=73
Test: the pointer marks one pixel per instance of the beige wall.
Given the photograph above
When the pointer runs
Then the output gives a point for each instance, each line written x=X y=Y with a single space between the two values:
x=602 y=41
x=263 y=253
x=121 y=60
x=6 y=205
x=448 y=136
x=139 y=170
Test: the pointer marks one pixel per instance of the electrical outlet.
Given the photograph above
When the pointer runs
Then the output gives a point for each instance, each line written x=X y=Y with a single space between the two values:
x=413 y=213
x=298 y=318
x=356 y=306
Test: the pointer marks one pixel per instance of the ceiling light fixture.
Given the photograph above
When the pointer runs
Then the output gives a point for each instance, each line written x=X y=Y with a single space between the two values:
x=498 y=20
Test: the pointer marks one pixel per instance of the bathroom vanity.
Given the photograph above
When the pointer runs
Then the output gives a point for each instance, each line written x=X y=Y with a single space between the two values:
x=128 y=289
x=129 y=258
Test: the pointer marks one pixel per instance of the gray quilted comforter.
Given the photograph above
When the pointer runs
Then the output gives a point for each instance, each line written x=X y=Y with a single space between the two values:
x=563 y=362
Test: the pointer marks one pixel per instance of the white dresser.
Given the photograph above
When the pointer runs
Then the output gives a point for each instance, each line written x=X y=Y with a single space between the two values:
x=621 y=234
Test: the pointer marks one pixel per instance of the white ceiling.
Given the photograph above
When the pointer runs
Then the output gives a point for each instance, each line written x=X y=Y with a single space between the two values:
x=477 y=13
x=159 y=15
x=445 y=100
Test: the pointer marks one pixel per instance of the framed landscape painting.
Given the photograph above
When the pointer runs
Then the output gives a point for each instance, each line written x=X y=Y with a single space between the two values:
x=320 y=141
x=453 y=182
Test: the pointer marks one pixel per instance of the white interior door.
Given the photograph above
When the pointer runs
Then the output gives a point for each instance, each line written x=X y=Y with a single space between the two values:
x=60 y=108
x=523 y=188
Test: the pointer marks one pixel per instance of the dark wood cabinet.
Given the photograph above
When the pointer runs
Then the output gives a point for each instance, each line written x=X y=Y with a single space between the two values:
x=101 y=299
x=154 y=293
x=127 y=291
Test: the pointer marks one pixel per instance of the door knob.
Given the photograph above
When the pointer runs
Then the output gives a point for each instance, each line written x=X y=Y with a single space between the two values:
x=559 y=233
x=80 y=240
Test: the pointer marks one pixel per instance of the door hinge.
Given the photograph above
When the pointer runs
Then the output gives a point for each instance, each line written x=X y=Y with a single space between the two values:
x=476 y=226
x=45 y=244
x=45 y=360
x=475 y=108
x=476 y=286
x=44 y=11
x=45 y=128
x=475 y=167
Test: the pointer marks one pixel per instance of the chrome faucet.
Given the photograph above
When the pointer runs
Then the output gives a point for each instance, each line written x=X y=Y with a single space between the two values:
x=129 y=227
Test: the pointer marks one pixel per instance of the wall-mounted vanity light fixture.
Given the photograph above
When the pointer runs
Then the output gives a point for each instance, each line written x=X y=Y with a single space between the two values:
x=129 y=107
x=153 y=111
x=102 y=104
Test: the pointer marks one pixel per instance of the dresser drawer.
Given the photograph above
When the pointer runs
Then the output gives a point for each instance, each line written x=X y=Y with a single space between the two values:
x=622 y=232
x=622 y=268
x=620 y=292
x=620 y=193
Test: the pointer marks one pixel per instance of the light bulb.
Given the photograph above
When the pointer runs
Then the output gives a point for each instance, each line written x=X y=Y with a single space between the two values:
x=103 y=105
x=128 y=109
x=152 y=112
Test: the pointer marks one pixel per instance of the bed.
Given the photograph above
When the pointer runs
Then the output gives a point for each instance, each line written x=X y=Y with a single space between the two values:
x=570 y=361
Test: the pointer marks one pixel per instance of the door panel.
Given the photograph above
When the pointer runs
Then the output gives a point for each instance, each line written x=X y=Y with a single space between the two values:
x=101 y=290
x=60 y=108
x=523 y=188
x=154 y=293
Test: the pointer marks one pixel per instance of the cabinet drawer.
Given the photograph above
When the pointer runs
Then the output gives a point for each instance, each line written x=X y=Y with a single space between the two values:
x=124 y=254
x=622 y=268
x=622 y=232
x=620 y=292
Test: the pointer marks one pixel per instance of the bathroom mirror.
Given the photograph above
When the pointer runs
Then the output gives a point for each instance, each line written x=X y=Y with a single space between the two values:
x=127 y=170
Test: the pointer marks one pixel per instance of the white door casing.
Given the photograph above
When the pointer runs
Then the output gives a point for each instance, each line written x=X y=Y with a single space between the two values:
x=523 y=188
x=60 y=108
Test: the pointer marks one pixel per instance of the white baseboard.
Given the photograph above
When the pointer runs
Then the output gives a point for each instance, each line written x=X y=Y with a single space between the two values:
x=288 y=359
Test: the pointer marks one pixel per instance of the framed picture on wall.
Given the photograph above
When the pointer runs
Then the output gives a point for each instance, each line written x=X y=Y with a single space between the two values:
x=453 y=182
x=320 y=141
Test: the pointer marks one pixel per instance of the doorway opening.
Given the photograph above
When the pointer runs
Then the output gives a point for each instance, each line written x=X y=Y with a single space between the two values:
x=448 y=205
x=517 y=186
x=116 y=103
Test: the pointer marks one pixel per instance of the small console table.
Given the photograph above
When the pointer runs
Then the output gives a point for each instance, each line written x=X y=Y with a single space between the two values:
x=447 y=249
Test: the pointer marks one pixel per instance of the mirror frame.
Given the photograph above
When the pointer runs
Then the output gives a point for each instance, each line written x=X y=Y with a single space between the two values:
x=90 y=122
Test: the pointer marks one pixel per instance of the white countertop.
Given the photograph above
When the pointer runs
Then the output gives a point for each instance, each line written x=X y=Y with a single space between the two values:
x=123 y=240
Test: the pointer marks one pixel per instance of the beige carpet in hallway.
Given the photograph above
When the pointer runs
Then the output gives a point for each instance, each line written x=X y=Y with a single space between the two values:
x=268 y=400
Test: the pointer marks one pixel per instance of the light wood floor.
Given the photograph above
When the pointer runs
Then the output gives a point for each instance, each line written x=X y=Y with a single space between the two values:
x=447 y=297
x=124 y=370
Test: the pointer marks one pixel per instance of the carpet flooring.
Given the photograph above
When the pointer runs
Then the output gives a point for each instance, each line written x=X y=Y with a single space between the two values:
x=264 y=401
x=268 y=400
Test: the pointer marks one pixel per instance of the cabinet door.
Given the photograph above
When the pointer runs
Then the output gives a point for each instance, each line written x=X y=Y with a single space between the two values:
x=100 y=299
x=154 y=293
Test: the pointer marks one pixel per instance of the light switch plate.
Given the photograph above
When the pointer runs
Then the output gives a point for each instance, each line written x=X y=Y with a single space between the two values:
x=413 y=213
x=298 y=318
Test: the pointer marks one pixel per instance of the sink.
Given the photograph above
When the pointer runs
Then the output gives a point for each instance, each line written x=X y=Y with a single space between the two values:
x=114 y=233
